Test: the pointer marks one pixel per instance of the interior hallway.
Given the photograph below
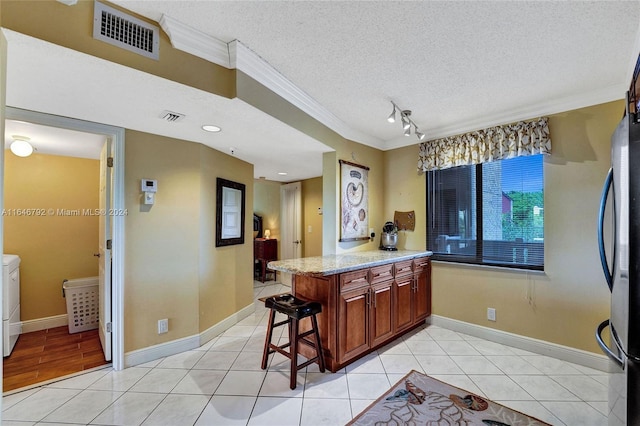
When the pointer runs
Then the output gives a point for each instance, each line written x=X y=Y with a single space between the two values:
x=221 y=383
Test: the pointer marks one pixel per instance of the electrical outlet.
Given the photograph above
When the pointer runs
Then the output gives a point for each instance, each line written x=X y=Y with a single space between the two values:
x=163 y=326
x=491 y=314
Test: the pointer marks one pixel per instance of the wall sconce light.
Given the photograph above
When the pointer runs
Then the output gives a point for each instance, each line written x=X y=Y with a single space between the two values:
x=267 y=233
x=21 y=146
x=405 y=118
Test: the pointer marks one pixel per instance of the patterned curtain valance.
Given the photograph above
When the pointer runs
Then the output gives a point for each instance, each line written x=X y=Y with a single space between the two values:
x=482 y=146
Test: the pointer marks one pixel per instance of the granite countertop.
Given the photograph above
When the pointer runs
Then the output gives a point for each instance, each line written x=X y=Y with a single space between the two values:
x=338 y=263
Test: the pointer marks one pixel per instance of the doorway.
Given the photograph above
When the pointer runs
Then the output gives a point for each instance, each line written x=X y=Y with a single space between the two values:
x=291 y=214
x=111 y=242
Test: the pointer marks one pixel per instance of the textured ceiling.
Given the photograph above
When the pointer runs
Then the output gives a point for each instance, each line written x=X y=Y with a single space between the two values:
x=458 y=66
x=450 y=62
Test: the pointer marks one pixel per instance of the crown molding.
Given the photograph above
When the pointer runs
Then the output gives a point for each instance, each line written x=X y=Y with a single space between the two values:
x=197 y=43
x=250 y=63
x=554 y=106
x=236 y=55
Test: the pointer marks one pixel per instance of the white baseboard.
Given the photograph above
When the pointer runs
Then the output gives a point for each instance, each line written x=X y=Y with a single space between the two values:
x=161 y=350
x=173 y=347
x=225 y=324
x=565 y=353
x=44 y=323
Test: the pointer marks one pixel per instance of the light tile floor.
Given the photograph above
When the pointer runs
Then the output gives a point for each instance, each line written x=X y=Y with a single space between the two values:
x=221 y=383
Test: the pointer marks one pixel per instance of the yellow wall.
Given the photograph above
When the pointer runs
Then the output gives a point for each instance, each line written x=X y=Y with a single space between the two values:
x=266 y=197
x=226 y=273
x=173 y=269
x=311 y=201
x=565 y=303
x=52 y=247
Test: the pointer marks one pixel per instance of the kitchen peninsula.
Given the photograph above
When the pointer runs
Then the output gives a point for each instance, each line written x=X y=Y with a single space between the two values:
x=368 y=298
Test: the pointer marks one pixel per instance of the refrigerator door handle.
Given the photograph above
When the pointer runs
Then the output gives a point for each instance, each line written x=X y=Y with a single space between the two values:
x=615 y=358
x=603 y=202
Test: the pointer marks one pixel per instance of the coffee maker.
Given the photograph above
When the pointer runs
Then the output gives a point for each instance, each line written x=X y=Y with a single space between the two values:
x=389 y=237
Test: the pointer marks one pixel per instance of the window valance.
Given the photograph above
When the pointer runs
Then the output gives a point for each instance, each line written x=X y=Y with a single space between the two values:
x=482 y=146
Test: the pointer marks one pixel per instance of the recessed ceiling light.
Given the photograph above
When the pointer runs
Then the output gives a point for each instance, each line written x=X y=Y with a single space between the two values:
x=282 y=173
x=211 y=128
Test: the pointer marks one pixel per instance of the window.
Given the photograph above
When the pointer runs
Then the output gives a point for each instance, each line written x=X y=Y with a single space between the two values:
x=490 y=213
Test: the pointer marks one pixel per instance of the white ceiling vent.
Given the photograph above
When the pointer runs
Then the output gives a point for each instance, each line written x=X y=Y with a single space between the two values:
x=122 y=30
x=171 y=117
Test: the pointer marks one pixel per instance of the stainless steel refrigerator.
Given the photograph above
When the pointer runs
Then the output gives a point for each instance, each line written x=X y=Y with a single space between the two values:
x=621 y=262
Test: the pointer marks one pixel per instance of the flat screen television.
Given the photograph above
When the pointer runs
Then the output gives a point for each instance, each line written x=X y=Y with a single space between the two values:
x=257 y=226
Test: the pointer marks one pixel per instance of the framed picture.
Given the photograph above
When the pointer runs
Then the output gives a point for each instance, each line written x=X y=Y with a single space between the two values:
x=354 y=198
x=229 y=212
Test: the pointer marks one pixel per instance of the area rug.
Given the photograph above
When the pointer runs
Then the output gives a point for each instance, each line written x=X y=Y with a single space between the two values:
x=418 y=399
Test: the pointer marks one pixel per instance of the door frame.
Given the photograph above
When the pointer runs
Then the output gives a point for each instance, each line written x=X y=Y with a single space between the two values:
x=117 y=233
x=293 y=224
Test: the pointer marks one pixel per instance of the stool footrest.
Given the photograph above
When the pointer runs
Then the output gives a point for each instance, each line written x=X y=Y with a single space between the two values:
x=284 y=322
x=280 y=349
x=309 y=362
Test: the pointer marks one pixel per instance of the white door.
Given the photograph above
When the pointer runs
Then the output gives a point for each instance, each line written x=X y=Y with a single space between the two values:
x=291 y=220
x=104 y=268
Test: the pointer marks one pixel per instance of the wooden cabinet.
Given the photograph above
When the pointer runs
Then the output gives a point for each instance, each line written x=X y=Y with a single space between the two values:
x=365 y=314
x=422 y=291
x=365 y=309
x=404 y=293
x=381 y=301
x=354 y=337
x=264 y=251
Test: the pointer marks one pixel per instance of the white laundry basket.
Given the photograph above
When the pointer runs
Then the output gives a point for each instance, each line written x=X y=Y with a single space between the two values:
x=82 y=303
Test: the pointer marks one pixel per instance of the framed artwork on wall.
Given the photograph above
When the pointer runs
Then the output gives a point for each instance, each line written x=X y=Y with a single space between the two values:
x=229 y=212
x=354 y=200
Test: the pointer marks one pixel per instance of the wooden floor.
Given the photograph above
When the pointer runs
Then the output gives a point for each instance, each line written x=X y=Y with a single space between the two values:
x=48 y=354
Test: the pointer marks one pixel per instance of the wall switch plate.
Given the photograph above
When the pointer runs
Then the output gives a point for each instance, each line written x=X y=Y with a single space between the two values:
x=163 y=326
x=491 y=314
x=149 y=198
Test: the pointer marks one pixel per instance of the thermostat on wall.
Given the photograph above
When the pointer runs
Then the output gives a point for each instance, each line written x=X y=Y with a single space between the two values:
x=149 y=185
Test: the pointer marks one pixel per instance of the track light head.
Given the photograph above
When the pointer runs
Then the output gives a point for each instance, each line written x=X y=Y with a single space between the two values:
x=392 y=116
x=405 y=117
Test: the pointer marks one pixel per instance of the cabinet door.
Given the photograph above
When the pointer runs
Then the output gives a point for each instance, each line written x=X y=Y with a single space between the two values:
x=404 y=294
x=422 y=296
x=353 y=318
x=381 y=312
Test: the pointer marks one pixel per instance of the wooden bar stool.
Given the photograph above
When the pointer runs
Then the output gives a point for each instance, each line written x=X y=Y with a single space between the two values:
x=295 y=309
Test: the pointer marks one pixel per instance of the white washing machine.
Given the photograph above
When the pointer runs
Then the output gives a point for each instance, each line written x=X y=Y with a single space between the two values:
x=11 y=325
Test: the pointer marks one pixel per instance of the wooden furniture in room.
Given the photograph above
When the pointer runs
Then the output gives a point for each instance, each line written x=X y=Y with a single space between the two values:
x=264 y=251
x=366 y=306
x=295 y=310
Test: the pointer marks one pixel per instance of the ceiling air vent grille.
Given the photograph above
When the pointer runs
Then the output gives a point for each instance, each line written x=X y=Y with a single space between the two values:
x=115 y=27
x=171 y=117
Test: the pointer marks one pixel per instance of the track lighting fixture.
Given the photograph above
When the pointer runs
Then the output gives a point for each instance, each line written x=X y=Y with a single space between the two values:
x=405 y=122
x=392 y=116
x=405 y=118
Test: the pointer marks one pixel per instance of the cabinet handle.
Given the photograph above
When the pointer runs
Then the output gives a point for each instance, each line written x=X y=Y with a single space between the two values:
x=367 y=298
x=374 y=298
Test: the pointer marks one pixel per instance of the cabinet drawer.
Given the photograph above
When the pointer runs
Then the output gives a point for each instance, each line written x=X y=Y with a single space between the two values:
x=403 y=269
x=421 y=264
x=349 y=280
x=381 y=273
